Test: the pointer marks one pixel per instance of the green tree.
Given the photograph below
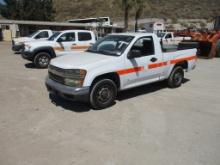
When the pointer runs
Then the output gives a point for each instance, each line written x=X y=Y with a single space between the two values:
x=9 y=9
x=127 y=6
x=139 y=7
x=27 y=9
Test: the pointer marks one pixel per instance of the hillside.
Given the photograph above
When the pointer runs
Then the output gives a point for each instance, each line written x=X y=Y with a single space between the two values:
x=174 y=9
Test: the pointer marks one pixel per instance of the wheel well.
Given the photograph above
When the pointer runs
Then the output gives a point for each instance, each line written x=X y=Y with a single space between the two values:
x=112 y=76
x=183 y=64
x=48 y=50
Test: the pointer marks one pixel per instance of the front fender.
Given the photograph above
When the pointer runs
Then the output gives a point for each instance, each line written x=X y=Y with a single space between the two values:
x=47 y=49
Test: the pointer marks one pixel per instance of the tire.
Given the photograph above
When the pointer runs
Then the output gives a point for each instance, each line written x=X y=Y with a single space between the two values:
x=176 y=77
x=42 y=60
x=103 y=94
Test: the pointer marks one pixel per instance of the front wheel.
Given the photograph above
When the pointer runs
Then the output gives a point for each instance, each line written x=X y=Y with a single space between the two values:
x=103 y=94
x=42 y=60
x=176 y=77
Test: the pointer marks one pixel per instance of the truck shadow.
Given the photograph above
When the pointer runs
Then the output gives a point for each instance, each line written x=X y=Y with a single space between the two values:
x=30 y=66
x=143 y=90
x=80 y=107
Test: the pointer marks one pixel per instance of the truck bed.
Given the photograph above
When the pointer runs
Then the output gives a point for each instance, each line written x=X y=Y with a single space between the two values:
x=180 y=46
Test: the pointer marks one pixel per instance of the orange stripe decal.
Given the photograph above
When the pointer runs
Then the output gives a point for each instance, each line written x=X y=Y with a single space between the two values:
x=183 y=59
x=80 y=47
x=58 y=48
x=130 y=70
x=157 y=65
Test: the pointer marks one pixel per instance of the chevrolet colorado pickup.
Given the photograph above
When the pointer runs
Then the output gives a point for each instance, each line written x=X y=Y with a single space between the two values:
x=17 y=43
x=117 y=62
x=168 y=38
x=60 y=43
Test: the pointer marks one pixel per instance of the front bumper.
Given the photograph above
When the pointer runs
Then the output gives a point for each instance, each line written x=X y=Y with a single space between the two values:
x=69 y=93
x=27 y=55
x=17 y=48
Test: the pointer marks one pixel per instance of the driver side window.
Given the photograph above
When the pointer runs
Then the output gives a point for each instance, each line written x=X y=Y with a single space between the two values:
x=145 y=46
x=42 y=35
x=168 y=36
x=67 y=37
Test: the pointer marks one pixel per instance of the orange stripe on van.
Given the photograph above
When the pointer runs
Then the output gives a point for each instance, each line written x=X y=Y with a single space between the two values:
x=157 y=65
x=80 y=47
x=58 y=48
x=183 y=59
x=130 y=70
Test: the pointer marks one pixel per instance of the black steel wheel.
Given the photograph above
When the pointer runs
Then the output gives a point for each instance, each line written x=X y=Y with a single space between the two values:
x=42 y=60
x=176 y=77
x=103 y=94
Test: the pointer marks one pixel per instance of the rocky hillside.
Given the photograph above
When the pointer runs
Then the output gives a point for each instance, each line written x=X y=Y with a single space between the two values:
x=175 y=9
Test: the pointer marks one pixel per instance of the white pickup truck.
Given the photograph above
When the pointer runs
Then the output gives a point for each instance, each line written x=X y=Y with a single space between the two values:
x=61 y=43
x=117 y=62
x=17 y=43
x=168 y=38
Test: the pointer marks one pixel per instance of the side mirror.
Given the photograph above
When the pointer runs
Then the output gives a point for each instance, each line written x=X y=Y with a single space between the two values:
x=134 y=54
x=59 y=40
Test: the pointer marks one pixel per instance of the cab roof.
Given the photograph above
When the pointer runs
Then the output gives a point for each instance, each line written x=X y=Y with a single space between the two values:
x=134 y=34
x=75 y=31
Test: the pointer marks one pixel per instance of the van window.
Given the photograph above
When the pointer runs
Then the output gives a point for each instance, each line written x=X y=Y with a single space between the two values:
x=67 y=37
x=145 y=45
x=168 y=36
x=84 y=36
x=42 y=35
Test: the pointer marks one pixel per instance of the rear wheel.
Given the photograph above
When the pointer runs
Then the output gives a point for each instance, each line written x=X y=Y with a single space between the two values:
x=103 y=94
x=176 y=77
x=42 y=60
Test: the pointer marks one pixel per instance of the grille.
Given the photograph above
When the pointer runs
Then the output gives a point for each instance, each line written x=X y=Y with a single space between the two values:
x=56 y=78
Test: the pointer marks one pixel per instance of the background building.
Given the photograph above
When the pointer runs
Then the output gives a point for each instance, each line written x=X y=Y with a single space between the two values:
x=13 y=28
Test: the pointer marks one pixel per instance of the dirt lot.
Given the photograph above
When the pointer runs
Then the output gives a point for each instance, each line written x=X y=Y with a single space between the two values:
x=151 y=125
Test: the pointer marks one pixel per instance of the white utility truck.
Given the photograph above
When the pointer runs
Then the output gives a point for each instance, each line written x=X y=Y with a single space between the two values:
x=117 y=62
x=17 y=43
x=168 y=38
x=61 y=43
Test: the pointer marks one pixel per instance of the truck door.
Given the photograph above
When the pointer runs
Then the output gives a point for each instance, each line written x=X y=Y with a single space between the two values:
x=84 y=41
x=65 y=43
x=168 y=39
x=146 y=67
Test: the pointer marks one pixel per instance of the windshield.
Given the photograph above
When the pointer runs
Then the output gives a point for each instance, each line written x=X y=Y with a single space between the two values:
x=111 y=45
x=33 y=34
x=54 y=36
x=160 y=35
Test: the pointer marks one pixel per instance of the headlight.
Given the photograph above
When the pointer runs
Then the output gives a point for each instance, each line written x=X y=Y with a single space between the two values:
x=74 y=77
x=27 y=47
x=73 y=82
x=18 y=43
x=75 y=73
x=71 y=77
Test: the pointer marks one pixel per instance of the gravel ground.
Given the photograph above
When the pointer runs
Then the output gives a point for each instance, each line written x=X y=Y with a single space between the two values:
x=151 y=125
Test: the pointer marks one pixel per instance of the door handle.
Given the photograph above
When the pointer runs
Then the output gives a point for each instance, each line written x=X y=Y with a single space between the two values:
x=73 y=44
x=153 y=59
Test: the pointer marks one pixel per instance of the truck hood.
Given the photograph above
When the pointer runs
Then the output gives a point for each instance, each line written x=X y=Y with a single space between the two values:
x=40 y=43
x=22 y=39
x=80 y=60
